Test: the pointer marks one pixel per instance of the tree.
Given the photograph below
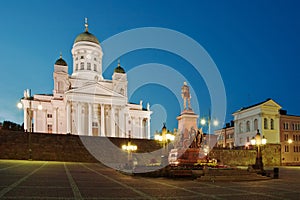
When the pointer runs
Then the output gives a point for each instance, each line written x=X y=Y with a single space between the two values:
x=8 y=125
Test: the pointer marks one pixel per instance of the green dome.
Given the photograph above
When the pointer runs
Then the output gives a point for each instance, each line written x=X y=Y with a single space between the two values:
x=61 y=61
x=119 y=69
x=86 y=36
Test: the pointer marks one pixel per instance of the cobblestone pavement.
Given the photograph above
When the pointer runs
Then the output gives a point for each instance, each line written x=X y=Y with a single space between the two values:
x=59 y=180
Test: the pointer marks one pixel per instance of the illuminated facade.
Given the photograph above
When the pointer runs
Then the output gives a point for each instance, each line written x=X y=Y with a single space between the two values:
x=290 y=139
x=263 y=116
x=84 y=103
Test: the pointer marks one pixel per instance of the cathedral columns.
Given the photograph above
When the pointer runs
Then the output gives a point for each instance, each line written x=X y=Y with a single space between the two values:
x=54 y=118
x=26 y=120
x=148 y=128
x=141 y=127
x=90 y=119
x=34 y=121
x=121 y=123
x=102 y=132
x=79 y=113
x=68 y=117
x=112 y=122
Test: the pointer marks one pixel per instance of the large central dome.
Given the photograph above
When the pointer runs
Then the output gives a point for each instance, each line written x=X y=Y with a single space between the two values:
x=86 y=36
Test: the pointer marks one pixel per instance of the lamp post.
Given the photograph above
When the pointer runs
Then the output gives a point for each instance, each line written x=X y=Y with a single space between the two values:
x=129 y=148
x=165 y=137
x=258 y=141
x=208 y=122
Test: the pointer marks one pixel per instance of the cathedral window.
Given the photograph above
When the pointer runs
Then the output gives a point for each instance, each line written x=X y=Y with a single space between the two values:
x=82 y=65
x=88 y=66
x=49 y=128
x=81 y=57
x=49 y=115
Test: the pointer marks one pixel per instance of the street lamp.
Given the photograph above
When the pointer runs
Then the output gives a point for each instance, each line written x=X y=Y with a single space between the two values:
x=258 y=141
x=129 y=148
x=165 y=137
x=208 y=122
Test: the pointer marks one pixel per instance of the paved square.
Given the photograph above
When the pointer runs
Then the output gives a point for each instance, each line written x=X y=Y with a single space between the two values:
x=60 y=180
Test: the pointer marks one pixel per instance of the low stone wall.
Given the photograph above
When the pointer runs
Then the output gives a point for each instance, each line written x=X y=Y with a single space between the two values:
x=270 y=154
x=58 y=147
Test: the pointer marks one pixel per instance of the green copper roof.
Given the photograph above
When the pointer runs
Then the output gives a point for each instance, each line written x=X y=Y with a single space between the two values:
x=61 y=61
x=119 y=69
x=86 y=36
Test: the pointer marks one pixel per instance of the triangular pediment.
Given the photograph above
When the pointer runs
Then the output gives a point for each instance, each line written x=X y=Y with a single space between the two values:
x=271 y=103
x=95 y=89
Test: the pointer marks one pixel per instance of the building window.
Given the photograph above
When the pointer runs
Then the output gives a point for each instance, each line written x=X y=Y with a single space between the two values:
x=49 y=115
x=82 y=65
x=95 y=67
x=95 y=59
x=240 y=127
x=81 y=57
x=293 y=126
x=88 y=66
x=76 y=58
x=286 y=137
x=265 y=123
x=286 y=148
x=49 y=128
x=255 y=124
x=248 y=126
x=76 y=66
x=272 y=124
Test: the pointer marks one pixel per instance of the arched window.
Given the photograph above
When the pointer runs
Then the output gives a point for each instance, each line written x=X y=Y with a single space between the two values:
x=240 y=128
x=248 y=126
x=265 y=123
x=272 y=124
x=88 y=66
x=81 y=65
x=255 y=124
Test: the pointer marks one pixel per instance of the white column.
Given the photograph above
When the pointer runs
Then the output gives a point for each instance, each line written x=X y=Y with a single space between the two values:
x=54 y=121
x=148 y=128
x=79 y=113
x=68 y=117
x=26 y=119
x=102 y=132
x=34 y=120
x=141 y=127
x=121 y=123
x=90 y=122
x=112 y=122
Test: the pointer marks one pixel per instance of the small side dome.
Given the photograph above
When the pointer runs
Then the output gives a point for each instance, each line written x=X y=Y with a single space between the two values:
x=119 y=69
x=61 y=61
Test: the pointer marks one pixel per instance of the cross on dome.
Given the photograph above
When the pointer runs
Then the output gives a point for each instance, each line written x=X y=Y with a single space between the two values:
x=86 y=25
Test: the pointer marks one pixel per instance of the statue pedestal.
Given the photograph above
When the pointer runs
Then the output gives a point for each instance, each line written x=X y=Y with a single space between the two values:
x=187 y=120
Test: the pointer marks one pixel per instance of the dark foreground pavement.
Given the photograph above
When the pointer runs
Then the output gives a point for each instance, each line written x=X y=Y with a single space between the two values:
x=59 y=180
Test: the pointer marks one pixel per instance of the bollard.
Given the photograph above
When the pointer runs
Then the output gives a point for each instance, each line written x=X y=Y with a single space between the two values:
x=276 y=172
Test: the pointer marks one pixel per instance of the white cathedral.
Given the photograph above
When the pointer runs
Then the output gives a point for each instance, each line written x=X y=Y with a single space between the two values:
x=85 y=103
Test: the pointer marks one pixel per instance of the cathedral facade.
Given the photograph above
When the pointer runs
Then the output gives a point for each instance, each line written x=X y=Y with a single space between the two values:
x=84 y=103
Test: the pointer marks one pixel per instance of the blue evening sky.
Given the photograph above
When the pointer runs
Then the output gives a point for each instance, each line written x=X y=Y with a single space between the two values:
x=254 y=44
